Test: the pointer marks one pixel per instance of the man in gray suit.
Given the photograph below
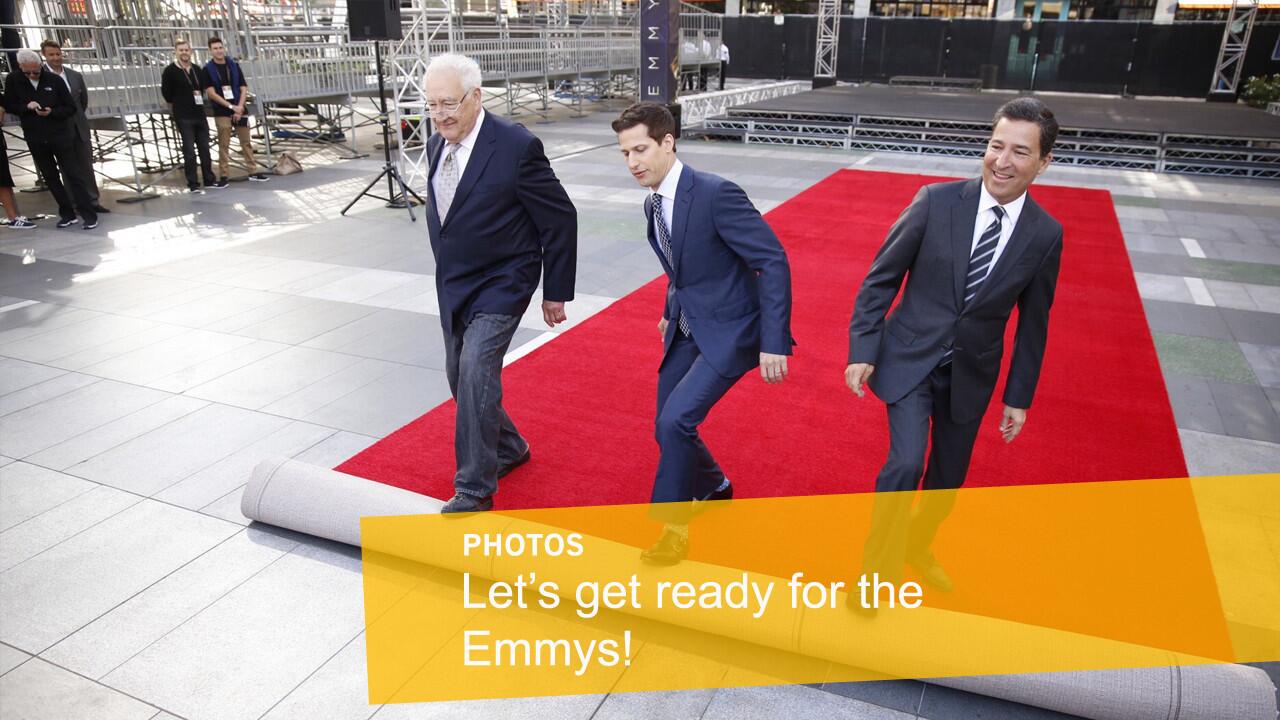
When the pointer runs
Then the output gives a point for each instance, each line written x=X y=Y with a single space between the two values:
x=970 y=251
x=52 y=53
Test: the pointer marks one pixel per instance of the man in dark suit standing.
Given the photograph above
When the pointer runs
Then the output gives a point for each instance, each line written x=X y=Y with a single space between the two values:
x=74 y=81
x=728 y=309
x=970 y=251
x=46 y=109
x=498 y=220
x=183 y=85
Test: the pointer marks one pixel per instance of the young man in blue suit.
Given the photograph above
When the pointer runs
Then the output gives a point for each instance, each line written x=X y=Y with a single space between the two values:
x=499 y=220
x=728 y=309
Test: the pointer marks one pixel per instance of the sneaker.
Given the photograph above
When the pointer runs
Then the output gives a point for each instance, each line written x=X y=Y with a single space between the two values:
x=195 y=191
x=68 y=222
x=257 y=177
x=21 y=223
x=91 y=225
x=218 y=184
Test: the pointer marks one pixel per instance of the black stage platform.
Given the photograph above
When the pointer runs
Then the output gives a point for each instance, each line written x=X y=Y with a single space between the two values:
x=1159 y=135
x=1085 y=112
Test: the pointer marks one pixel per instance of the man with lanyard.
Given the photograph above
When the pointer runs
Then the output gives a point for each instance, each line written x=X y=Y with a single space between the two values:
x=183 y=86
x=52 y=52
x=228 y=92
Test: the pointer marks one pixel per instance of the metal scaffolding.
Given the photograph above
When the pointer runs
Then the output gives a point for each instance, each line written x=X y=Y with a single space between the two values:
x=824 y=62
x=1235 y=41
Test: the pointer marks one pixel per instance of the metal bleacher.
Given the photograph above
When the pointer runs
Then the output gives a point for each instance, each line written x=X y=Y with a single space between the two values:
x=306 y=74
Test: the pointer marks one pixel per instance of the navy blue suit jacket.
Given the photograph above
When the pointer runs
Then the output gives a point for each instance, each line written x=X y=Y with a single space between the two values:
x=730 y=276
x=510 y=217
x=930 y=245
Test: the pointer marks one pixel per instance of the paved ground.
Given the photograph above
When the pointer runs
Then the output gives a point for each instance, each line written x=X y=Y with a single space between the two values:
x=147 y=365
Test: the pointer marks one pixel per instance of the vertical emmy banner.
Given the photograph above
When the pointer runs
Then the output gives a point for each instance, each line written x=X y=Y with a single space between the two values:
x=1046 y=578
x=659 y=50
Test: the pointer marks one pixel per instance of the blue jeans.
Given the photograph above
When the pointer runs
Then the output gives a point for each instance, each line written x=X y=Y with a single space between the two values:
x=485 y=439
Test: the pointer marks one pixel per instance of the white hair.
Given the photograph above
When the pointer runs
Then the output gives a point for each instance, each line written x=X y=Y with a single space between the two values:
x=467 y=70
x=26 y=57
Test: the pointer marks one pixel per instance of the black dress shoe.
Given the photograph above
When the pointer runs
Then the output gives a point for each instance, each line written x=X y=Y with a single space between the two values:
x=932 y=574
x=505 y=470
x=464 y=503
x=725 y=494
x=853 y=601
x=99 y=209
x=670 y=549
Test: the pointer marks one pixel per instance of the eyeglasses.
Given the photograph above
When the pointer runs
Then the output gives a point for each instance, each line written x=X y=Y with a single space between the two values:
x=31 y=73
x=445 y=108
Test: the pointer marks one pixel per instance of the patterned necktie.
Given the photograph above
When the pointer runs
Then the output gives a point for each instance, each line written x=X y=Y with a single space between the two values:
x=447 y=180
x=664 y=241
x=980 y=264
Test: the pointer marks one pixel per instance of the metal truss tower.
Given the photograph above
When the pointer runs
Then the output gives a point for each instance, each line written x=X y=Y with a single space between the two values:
x=1235 y=41
x=824 y=63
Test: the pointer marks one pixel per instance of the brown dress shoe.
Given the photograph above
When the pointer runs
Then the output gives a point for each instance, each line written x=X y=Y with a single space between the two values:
x=670 y=549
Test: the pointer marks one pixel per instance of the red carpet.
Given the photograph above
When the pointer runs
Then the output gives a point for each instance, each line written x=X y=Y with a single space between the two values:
x=586 y=400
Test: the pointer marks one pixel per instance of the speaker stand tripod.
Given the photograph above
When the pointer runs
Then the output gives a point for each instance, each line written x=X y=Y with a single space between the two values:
x=389 y=171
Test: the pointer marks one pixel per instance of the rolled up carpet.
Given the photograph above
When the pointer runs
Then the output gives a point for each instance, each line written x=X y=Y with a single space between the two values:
x=329 y=504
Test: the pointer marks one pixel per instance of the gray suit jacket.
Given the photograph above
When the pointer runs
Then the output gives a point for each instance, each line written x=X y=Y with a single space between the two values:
x=79 y=93
x=930 y=246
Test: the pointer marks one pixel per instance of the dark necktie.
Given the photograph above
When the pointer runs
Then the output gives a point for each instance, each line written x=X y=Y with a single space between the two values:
x=980 y=264
x=664 y=241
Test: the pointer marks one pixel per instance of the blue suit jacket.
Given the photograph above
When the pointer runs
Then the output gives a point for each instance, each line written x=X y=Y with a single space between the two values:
x=510 y=216
x=730 y=275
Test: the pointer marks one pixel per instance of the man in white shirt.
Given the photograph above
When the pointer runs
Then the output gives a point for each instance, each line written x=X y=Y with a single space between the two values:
x=724 y=63
x=970 y=251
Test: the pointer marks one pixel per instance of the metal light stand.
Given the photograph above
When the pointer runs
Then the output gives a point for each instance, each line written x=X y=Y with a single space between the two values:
x=393 y=200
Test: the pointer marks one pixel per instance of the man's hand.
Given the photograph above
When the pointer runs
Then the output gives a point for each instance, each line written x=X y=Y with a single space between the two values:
x=235 y=115
x=856 y=377
x=773 y=368
x=553 y=313
x=662 y=327
x=33 y=106
x=1012 y=422
x=44 y=111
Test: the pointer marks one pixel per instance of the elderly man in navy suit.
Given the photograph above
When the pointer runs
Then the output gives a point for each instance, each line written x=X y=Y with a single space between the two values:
x=970 y=251
x=498 y=220
x=728 y=310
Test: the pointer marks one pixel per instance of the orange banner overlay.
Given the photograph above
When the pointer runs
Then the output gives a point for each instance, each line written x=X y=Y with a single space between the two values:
x=1044 y=578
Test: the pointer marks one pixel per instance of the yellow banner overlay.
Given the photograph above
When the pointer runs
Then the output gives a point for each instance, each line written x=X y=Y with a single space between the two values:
x=1043 y=578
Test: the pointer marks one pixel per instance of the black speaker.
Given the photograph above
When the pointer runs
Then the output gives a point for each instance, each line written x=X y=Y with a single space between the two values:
x=374 y=19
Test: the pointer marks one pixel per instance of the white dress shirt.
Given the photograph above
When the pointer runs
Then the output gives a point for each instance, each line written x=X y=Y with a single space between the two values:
x=985 y=217
x=724 y=53
x=667 y=189
x=461 y=156
x=62 y=75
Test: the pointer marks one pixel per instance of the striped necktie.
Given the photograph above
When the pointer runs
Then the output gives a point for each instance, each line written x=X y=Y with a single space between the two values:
x=447 y=181
x=980 y=264
x=664 y=241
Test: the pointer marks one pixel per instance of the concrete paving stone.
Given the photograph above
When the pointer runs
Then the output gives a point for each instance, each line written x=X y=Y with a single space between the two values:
x=81 y=447
x=306 y=322
x=336 y=449
x=261 y=383
x=27 y=490
x=34 y=394
x=1246 y=411
x=1193 y=403
x=386 y=404
x=792 y=701
x=161 y=360
x=941 y=703
x=670 y=705
x=1212 y=454
x=38 y=690
x=1265 y=362
x=67 y=586
x=1266 y=298
x=31 y=537
x=1169 y=288
x=77 y=337
x=10 y=658
x=1203 y=357
x=1230 y=294
x=18 y=374
x=903 y=695
x=1185 y=319
x=1256 y=328
x=112 y=639
x=1241 y=252
x=46 y=424
x=115 y=348
x=337 y=690
x=256 y=643
x=571 y=707
x=152 y=462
